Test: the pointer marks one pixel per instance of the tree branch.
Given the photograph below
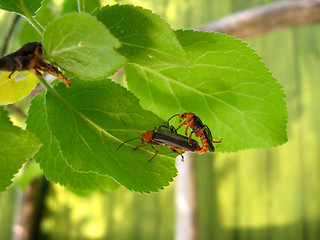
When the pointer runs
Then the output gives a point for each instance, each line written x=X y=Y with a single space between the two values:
x=29 y=210
x=267 y=18
x=9 y=34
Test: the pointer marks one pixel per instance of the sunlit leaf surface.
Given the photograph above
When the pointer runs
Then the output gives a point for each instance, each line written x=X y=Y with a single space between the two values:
x=16 y=146
x=17 y=86
x=145 y=37
x=52 y=161
x=82 y=46
x=86 y=120
x=229 y=88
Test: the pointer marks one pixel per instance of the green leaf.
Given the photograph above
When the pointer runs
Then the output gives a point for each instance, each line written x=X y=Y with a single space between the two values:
x=146 y=38
x=82 y=46
x=16 y=87
x=51 y=160
x=229 y=88
x=21 y=6
x=86 y=120
x=16 y=146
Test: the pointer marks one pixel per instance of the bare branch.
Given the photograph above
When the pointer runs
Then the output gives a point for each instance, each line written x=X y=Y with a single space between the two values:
x=9 y=34
x=29 y=209
x=266 y=18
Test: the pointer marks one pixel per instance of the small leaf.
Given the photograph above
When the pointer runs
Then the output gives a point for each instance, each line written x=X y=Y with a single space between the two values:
x=146 y=38
x=21 y=6
x=16 y=87
x=229 y=88
x=82 y=46
x=16 y=146
x=51 y=160
x=86 y=120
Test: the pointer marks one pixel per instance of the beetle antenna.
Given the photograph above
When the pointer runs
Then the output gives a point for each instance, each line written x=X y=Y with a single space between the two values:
x=130 y=127
x=126 y=142
x=174 y=116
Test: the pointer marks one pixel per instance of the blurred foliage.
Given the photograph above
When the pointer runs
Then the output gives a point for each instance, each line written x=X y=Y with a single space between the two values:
x=7 y=203
x=256 y=194
x=113 y=215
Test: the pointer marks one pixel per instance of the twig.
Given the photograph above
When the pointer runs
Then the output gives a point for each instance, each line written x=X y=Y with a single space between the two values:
x=267 y=18
x=29 y=210
x=9 y=34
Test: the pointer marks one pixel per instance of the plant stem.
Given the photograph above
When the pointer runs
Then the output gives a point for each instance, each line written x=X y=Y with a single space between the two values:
x=81 y=6
x=35 y=24
x=263 y=19
x=31 y=19
x=51 y=89
x=61 y=99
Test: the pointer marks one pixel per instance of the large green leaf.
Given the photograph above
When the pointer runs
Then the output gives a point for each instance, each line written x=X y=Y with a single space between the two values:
x=229 y=88
x=23 y=7
x=51 y=160
x=16 y=146
x=82 y=45
x=146 y=38
x=86 y=120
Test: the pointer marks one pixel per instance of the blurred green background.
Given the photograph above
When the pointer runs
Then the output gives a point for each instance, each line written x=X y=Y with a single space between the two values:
x=253 y=194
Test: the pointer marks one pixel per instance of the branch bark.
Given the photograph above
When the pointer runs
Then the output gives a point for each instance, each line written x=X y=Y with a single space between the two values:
x=267 y=18
x=29 y=209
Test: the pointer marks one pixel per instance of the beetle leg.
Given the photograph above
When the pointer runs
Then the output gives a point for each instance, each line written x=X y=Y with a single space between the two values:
x=189 y=140
x=176 y=151
x=11 y=74
x=155 y=154
x=35 y=71
x=217 y=141
x=181 y=125
x=186 y=132
x=140 y=146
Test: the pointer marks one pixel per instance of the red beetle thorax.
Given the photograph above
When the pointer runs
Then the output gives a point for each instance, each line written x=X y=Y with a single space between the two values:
x=147 y=136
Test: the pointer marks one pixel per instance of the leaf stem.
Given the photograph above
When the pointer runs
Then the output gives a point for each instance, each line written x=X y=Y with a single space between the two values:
x=36 y=25
x=31 y=19
x=61 y=99
x=81 y=6
x=51 y=89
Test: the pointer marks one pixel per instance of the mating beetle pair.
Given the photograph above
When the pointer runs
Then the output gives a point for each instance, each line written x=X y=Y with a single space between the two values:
x=198 y=128
x=177 y=142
